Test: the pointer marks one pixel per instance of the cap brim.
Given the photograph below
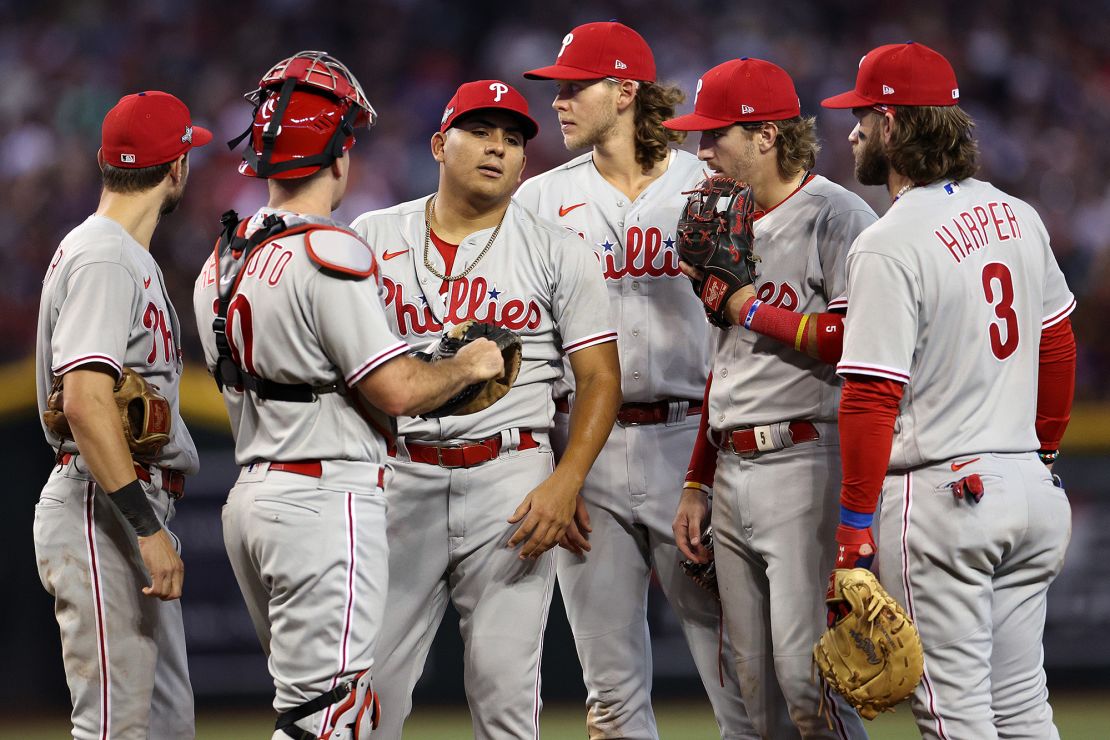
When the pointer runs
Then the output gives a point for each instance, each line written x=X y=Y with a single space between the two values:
x=696 y=122
x=850 y=99
x=201 y=136
x=528 y=127
x=562 y=72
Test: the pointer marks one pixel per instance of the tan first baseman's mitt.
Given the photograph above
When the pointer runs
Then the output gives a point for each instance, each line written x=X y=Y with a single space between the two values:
x=144 y=414
x=871 y=653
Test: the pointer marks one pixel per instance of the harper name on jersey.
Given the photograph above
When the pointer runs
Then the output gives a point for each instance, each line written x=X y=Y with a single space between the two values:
x=982 y=224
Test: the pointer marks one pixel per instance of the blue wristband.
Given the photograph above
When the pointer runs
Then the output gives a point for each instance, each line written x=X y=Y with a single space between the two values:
x=855 y=519
x=751 y=313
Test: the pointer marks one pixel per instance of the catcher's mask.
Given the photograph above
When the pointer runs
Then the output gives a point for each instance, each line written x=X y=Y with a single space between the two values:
x=306 y=110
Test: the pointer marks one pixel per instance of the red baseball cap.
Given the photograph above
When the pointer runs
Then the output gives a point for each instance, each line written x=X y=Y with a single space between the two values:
x=900 y=74
x=146 y=129
x=596 y=50
x=739 y=90
x=489 y=95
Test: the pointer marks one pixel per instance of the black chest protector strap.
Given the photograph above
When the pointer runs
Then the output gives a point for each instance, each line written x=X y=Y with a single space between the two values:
x=232 y=253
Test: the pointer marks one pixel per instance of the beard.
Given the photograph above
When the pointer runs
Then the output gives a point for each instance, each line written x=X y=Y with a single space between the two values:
x=173 y=199
x=594 y=135
x=872 y=164
x=169 y=205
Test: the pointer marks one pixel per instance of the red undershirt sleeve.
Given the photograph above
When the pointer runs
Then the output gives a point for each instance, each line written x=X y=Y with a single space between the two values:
x=819 y=335
x=1055 y=383
x=868 y=409
x=703 y=459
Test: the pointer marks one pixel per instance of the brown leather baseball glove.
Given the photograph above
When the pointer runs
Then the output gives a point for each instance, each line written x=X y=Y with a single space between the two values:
x=144 y=414
x=478 y=396
x=871 y=653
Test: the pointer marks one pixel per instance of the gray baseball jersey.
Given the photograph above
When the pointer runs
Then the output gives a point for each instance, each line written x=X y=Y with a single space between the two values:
x=949 y=293
x=541 y=281
x=98 y=276
x=104 y=302
x=664 y=347
x=774 y=512
x=664 y=354
x=971 y=365
x=536 y=279
x=292 y=323
x=802 y=244
x=308 y=547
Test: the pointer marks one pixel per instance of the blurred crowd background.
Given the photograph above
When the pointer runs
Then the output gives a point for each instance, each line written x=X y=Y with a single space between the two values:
x=1035 y=75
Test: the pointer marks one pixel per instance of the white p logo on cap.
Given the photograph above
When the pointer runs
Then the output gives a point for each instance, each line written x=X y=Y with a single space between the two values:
x=499 y=89
x=697 y=92
x=566 y=42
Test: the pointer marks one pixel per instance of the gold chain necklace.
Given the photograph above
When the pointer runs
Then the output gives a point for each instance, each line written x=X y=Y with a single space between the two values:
x=905 y=189
x=428 y=241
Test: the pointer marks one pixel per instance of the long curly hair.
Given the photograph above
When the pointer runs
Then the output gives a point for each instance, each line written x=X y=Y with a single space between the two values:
x=797 y=146
x=929 y=143
x=656 y=103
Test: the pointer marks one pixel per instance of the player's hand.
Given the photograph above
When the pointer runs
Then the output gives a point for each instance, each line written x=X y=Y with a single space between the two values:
x=544 y=515
x=577 y=537
x=689 y=523
x=855 y=548
x=736 y=302
x=482 y=360
x=690 y=271
x=167 y=572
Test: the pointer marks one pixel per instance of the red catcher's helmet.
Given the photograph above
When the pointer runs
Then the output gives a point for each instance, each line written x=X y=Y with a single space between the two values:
x=306 y=109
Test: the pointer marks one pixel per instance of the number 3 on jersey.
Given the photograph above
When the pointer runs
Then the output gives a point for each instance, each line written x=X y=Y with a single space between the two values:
x=998 y=288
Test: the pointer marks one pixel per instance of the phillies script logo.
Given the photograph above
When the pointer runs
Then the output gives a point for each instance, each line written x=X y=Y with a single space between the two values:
x=468 y=299
x=646 y=254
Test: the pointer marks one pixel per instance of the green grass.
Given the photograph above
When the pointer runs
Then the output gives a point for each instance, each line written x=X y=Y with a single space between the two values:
x=1078 y=717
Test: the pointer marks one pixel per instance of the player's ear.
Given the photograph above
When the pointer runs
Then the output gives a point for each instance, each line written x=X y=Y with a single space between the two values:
x=626 y=95
x=523 y=164
x=337 y=166
x=768 y=135
x=439 y=141
x=178 y=169
x=886 y=126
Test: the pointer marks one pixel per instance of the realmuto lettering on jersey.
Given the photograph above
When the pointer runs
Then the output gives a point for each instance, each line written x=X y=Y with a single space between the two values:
x=467 y=298
x=646 y=254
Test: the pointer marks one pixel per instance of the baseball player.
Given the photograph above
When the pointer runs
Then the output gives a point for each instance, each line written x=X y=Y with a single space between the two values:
x=959 y=365
x=772 y=409
x=102 y=542
x=304 y=525
x=624 y=196
x=476 y=503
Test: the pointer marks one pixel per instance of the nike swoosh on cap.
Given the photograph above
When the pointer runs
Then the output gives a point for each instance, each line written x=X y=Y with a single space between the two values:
x=391 y=255
x=959 y=466
x=568 y=209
